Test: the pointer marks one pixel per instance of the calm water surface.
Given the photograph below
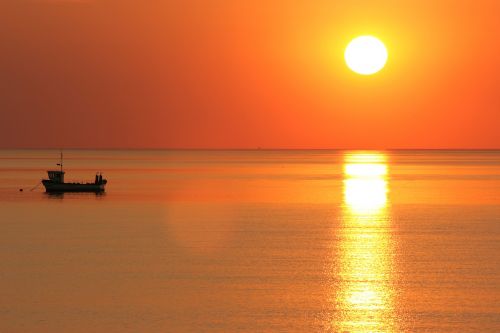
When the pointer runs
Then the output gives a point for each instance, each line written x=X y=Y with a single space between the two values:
x=252 y=241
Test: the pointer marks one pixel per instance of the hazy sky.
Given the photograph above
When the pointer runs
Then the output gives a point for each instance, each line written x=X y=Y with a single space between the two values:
x=247 y=74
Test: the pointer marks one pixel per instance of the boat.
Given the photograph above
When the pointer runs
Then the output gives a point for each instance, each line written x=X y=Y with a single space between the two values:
x=56 y=184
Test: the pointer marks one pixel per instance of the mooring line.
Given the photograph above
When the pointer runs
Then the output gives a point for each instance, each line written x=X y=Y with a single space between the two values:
x=35 y=186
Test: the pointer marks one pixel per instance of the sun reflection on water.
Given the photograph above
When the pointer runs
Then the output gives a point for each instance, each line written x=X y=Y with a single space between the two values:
x=366 y=296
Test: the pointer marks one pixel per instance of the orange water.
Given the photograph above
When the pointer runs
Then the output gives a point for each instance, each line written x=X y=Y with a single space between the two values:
x=252 y=241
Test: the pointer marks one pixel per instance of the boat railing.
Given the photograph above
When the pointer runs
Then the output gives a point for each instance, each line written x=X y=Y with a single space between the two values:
x=73 y=181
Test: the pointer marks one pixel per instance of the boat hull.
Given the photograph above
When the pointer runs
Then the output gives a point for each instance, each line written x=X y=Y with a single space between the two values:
x=72 y=187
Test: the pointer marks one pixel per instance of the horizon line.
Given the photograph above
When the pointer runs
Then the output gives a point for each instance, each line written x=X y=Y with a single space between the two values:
x=251 y=149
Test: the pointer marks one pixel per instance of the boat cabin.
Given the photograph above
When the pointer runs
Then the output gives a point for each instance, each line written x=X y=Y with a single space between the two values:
x=56 y=176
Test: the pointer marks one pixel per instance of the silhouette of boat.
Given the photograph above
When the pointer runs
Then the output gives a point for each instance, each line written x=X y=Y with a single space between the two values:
x=56 y=184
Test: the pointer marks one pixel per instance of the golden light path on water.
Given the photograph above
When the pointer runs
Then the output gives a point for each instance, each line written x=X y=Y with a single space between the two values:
x=366 y=295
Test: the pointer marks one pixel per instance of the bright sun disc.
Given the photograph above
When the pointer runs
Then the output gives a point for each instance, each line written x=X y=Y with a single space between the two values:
x=365 y=55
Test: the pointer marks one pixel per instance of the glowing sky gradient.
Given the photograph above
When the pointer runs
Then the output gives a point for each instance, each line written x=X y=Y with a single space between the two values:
x=247 y=74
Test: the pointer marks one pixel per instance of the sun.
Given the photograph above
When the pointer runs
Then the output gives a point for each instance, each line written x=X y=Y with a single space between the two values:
x=366 y=55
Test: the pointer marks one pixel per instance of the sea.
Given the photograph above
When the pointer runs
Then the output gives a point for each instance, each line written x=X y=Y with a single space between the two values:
x=252 y=241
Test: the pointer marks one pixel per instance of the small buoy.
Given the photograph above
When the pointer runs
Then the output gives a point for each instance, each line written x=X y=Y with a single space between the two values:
x=20 y=190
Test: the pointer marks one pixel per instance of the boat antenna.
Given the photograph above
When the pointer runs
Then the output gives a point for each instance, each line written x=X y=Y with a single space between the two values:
x=61 y=164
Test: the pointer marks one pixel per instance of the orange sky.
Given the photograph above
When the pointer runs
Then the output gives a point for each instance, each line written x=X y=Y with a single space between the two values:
x=247 y=74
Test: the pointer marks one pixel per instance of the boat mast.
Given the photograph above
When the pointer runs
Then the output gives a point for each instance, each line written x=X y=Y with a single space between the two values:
x=61 y=164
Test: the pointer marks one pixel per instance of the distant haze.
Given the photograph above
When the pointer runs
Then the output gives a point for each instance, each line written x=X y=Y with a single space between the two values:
x=247 y=74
